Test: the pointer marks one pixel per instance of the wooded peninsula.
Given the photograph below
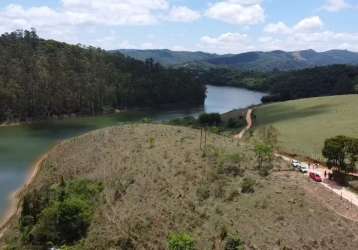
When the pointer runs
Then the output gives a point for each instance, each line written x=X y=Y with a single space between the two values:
x=40 y=79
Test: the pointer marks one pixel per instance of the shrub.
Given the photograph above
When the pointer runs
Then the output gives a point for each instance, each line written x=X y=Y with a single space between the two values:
x=247 y=186
x=230 y=165
x=181 y=241
x=232 y=123
x=64 y=218
x=234 y=243
x=147 y=120
x=215 y=130
x=232 y=170
x=203 y=192
x=125 y=244
x=151 y=142
x=213 y=119
x=185 y=121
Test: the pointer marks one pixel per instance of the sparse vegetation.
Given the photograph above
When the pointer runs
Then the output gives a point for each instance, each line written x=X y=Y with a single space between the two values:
x=151 y=142
x=247 y=185
x=149 y=193
x=181 y=241
x=234 y=243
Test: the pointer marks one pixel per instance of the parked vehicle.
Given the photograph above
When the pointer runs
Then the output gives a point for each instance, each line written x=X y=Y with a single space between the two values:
x=303 y=168
x=316 y=177
x=296 y=164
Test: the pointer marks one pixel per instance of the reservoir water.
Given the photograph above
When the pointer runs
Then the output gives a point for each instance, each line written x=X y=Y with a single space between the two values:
x=20 y=146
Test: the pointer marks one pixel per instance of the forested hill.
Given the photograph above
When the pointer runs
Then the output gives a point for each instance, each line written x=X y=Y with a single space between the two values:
x=320 y=81
x=42 y=78
x=167 y=57
x=250 y=61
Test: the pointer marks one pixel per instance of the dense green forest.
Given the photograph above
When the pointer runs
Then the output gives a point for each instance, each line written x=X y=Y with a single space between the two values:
x=282 y=85
x=320 y=81
x=230 y=77
x=44 y=78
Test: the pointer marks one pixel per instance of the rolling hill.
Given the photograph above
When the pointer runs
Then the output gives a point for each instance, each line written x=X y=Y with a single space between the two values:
x=303 y=125
x=167 y=57
x=258 y=61
x=141 y=183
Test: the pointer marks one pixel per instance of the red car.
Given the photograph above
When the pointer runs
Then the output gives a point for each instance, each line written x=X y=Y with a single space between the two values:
x=316 y=177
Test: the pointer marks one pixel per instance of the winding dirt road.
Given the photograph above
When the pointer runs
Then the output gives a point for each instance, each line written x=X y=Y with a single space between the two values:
x=249 y=125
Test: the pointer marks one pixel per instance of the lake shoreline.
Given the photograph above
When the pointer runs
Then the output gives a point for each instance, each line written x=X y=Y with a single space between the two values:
x=164 y=107
x=24 y=142
x=15 y=197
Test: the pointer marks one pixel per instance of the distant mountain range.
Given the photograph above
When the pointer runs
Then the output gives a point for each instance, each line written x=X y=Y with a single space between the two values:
x=257 y=61
x=168 y=57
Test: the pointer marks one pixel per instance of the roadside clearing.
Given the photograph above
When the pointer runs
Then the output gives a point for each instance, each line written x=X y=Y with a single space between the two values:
x=343 y=192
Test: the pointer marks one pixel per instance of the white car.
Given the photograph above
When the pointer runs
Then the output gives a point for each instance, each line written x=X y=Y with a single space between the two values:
x=303 y=168
x=296 y=164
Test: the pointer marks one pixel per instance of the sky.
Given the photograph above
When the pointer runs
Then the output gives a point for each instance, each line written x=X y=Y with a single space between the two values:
x=216 y=26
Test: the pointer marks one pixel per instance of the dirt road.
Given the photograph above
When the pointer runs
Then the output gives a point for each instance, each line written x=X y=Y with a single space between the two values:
x=248 y=126
x=343 y=192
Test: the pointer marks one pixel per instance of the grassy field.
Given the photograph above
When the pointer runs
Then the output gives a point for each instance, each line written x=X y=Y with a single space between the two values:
x=157 y=181
x=303 y=125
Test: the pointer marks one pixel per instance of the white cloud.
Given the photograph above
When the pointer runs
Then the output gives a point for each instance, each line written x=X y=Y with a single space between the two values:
x=183 y=14
x=309 y=24
x=240 y=12
x=306 y=34
x=112 y=42
x=306 y=25
x=320 y=41
x=226 y=43
x=336 y=5
x=113 y=12
x=277 y=28
x=83 y=12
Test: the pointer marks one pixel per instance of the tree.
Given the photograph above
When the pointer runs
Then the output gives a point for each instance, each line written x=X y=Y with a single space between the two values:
x=212 y=119
x=341 y=152
x=263 y=154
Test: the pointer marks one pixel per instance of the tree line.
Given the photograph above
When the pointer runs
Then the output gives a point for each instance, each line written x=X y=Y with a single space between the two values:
x=341 y=153
x=319 y=81
x=44 y=78
x=288 y=85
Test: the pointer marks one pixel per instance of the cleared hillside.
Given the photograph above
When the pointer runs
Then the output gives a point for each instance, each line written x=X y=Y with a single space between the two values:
x=303 y=125
x=157 y=181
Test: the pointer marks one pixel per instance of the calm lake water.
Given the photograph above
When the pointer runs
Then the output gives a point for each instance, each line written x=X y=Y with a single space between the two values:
x=20 y=146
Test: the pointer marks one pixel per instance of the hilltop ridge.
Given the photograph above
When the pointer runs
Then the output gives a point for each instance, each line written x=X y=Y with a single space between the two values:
x=256 y=60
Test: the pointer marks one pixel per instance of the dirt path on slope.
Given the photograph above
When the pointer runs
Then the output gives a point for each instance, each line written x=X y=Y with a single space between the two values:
x=248 y=126
x=15 y=198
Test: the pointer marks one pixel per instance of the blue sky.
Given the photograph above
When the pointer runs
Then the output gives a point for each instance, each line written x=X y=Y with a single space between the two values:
x=218 y=26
